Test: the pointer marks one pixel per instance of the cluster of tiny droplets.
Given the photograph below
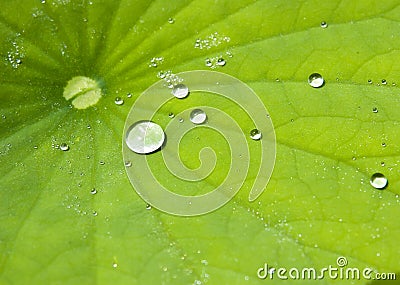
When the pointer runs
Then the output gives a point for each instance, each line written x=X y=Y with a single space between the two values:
x=170 y=78
x=156 y=61
x=213 y=40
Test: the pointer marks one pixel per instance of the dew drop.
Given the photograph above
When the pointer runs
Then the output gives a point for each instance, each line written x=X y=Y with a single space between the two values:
x=383 y=144
x=208 y=62
x=384 y=82
x=129 y=95
x=95 y=213
x=171 y=115
x=378 y=181
x=369 y=81
x=64 y=147
x=198 y=116
x=144 y=137
x=115 y=265
x=255 y=134
x=221 y=61
x=148 y=207
x=102 y=162
x=375 y=110
x=128 y=164
x=118 y=101
x=180 y=91
x=93 y=191
x=171 y=20
x=180 y=120
x=316 y=80
x=382 y=163
x=324 y=24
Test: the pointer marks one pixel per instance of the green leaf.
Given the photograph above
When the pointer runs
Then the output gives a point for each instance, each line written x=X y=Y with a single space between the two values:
x=319 y=204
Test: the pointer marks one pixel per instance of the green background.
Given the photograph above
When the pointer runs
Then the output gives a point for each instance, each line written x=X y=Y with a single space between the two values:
x=319 y=204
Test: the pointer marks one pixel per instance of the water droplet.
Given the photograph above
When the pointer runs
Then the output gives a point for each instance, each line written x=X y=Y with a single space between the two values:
x=180 y=91
x=64 y=147
x=382 y=163
x=324 y=24
x=369 y=81
x=115 y=265
x=208 y=62
x=144 y=137
x=148 y=207
x=384 y=82
x=375 y=110
x=221 y=61
x=354 y=158
x=119 y=101
x=255 y=134
x=102 y=162
x=198 y=116
x=128 y=164
x=171 y=20
x=129 y=95
x=93 y=191
x=171 y=115
x=180 y=120
x=94 y=213
x=383 y=144
x=378 y=181
x=316 y=80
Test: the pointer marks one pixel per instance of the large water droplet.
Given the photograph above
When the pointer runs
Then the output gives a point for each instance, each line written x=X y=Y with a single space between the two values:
x=221 y=61
x=198 y=116
x=255 y=134
x=144 y=137
x=119 y=101
x=180 y=91
x=316 y=80
x=64 y=147
x=378 y=181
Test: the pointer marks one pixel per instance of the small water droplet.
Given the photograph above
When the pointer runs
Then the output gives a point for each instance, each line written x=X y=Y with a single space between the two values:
x=375 y=110
x=384 y=82
x=382 y=163
x=144 y=137
x=324 y=24
x=94 y=213
x=148 y=207
x=180 y=91
x=128 y=164
x=129 y=95
x=115 y=265
x=208 y=62
x=198 y=116
x=171 y=115
x=64 y=147
x=378 y=181
x=383 y=144
x=255 y=134
x=369 y=81
x=119 y=101
x=102 y=162
x=180 y=120
x=93 y=191
x=221 y=61
x=316 y=80
x=354 y=158
x=171 y=20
